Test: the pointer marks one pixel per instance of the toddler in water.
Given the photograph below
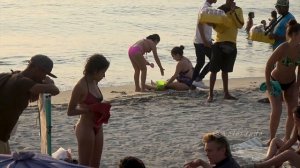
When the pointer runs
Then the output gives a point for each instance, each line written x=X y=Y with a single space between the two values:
x=273 y=18
x=250 y=21
x=264 y=24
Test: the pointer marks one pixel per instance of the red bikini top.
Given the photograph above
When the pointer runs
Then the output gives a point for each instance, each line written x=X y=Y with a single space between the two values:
x=90 y=98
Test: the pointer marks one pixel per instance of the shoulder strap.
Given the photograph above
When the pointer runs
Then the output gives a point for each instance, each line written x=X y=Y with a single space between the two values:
x=270 y=27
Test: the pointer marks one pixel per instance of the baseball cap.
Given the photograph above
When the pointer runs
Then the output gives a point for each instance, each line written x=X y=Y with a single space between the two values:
x=282 y=3
x=43 y=62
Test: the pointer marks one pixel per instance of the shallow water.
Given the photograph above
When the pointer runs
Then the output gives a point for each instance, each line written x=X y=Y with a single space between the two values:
x=69 y=31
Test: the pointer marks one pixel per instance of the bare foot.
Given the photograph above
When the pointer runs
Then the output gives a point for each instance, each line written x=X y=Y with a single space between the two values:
x=138 y=89
x=210 y=99
x=229 y=97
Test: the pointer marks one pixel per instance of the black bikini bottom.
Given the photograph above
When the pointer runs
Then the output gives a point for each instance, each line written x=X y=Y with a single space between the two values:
x=284 y=86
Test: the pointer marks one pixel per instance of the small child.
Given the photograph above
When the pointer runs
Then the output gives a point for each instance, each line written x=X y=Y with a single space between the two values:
x=250 y=21
x=264 y=24
x=273 y=18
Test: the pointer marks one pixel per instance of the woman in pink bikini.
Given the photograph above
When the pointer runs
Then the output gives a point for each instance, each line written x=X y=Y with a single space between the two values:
x=136 y=54
x=87 y=101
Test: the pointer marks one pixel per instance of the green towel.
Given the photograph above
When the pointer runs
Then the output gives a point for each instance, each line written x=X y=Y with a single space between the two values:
x=276 y=88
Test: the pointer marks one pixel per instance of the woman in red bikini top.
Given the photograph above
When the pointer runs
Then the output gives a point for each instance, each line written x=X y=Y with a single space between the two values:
x=86 y=101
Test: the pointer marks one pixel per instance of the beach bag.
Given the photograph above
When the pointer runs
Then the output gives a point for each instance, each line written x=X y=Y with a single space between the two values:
x=227 y=48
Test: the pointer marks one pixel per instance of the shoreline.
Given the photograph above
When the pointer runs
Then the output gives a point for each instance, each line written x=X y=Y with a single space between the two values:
x=114 y=92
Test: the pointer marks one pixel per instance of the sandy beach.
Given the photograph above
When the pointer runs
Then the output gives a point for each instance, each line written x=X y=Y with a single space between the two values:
x=164 y=129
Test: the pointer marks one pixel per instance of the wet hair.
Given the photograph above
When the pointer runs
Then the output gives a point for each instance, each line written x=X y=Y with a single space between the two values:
x=292 y=28
x=220 y=139
x=177 y=50
x=95 y=63
x=297 y=111
x=250 y=14
x=154 y=37
x=131 y=162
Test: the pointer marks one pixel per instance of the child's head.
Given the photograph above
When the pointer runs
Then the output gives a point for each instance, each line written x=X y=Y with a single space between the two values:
x=263 y=22
x=131 y=162
x=251 y=14
x=177 y=52
x=154 y=37
x=274 y=14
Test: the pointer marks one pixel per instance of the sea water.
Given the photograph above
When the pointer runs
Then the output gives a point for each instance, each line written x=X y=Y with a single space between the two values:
x=70 y=31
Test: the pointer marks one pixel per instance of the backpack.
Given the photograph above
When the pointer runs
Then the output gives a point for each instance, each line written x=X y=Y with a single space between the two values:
x=4 y=78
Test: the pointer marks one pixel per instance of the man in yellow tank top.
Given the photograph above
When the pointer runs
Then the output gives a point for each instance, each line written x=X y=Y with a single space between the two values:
x=224 y=49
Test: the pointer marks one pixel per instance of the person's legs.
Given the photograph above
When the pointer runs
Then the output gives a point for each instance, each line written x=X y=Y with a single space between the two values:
x=225 y=87
x=276 y=109
x=136 y=76
x=178 y=86
x=140 y=65
x=275 y=144
x=291 y=99
x=85 y=139
x=143 y=78
x=97 y=152
x=278 y=160
x=4 y=147
x=212 y=81
x=227 y=66
x=214 y=68
x=200 y=54
x=205 y=70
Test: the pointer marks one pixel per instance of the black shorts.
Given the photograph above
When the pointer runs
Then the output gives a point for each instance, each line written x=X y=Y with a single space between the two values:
x=223 y=57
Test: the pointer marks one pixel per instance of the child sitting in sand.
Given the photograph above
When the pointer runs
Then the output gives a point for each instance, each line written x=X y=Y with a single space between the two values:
x=280 y=151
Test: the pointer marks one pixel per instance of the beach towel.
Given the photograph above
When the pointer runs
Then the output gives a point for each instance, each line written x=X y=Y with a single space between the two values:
x=276 y=88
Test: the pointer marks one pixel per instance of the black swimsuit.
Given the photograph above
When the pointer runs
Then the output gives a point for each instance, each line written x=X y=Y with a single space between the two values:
x=182 y=78
x=284 y=86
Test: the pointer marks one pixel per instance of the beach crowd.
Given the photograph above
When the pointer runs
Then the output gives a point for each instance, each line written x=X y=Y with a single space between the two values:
x=282 y=73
